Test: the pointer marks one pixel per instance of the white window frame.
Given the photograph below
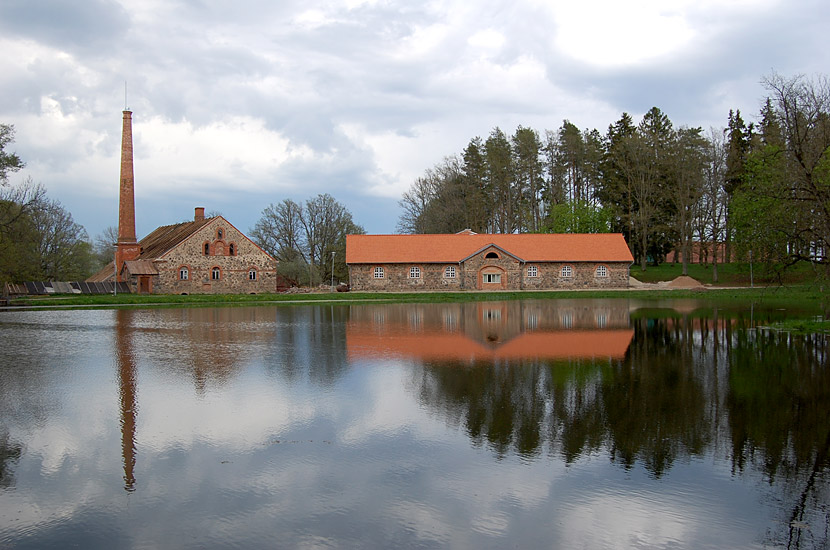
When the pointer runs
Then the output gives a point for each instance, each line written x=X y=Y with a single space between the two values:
x=184 y=273
x=491 y=278
x=414 y=272
x=378 y=272
x=532 y=271
x=449 y=272
x=601 y=271
x=567 y=271
x=252 y=275
x=215 y=274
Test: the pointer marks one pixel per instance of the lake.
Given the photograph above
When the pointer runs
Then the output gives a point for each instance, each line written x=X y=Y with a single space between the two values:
x=522 y=424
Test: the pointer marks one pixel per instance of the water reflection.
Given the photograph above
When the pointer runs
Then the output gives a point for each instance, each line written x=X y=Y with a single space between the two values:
x=551 y=423
x=486 y=332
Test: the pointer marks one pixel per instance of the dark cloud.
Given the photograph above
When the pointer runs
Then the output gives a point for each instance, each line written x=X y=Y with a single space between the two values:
x=69 y=26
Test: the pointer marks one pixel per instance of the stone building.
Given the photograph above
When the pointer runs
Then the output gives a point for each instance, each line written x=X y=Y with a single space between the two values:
x=471 y=261
x=206 y=255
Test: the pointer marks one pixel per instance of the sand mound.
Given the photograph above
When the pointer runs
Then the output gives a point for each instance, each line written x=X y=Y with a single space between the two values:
x=634 y=282
x=685 y=282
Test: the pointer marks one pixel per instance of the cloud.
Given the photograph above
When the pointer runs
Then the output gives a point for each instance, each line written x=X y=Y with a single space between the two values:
x=359 y=98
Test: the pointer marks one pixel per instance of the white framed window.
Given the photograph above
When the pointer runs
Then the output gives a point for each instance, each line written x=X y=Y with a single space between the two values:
x=184 y=273
x=532 y=271
x=567 y=271
x=491 y=277
x=215 y=273
x=252 y=274
x=602 y=271
x=414 y=272
x=378 y=272
x=449 y=272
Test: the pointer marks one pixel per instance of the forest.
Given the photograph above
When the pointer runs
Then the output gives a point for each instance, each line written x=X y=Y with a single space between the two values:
x=757 y=191
x=753 y=190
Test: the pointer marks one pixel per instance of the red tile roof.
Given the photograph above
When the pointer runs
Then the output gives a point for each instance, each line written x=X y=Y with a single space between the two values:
x=453 y=248
x=428 y=345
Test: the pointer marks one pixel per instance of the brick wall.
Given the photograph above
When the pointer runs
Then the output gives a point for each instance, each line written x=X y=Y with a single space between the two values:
x=234 y=270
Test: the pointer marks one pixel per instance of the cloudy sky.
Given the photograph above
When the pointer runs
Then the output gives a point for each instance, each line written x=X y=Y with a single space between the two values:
x=240 y=104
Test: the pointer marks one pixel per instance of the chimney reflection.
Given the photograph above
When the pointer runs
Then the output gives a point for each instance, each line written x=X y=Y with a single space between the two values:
x=125 y=360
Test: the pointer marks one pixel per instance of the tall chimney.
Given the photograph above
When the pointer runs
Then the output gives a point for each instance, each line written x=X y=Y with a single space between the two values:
x=200 y=214
x=127 y=247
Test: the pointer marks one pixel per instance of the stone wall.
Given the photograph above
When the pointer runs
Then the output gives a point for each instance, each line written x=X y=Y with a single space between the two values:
x=233 y=269
x=469 y=275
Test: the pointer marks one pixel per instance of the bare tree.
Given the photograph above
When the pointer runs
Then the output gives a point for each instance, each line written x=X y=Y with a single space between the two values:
x=714 y=197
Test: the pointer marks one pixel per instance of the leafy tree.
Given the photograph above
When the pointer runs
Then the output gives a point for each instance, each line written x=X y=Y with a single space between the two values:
x=9 y=162
x=578 y=217
x=39 y=240
x=802 y=108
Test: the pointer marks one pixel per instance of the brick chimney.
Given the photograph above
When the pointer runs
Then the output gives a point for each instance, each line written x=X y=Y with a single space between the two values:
x=200 y=214
x=127 y=247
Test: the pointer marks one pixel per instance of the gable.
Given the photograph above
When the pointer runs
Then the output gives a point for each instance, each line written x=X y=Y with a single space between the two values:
x=166 y=239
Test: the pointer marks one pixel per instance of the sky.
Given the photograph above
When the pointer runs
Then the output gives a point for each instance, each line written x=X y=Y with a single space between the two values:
x=238 y=105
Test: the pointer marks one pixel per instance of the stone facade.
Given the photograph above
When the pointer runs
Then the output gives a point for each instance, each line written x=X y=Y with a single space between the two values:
x=216 y=259
x=490 y=269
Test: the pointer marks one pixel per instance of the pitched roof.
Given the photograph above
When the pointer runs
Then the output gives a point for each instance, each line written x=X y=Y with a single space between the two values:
x=166 y=237
x=140 y=267
x=454 y=248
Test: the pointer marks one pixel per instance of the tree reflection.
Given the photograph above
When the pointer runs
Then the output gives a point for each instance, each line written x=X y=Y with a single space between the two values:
x=778 y=403
x=654 y=403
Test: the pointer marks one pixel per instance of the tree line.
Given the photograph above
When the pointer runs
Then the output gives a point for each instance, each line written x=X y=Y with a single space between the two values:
x=754 y=190
x=39 y=240
x=751 y=191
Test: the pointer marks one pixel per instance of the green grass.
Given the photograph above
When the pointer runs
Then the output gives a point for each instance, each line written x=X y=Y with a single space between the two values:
x=802 y=326
x=732 y=274
x=790 y=295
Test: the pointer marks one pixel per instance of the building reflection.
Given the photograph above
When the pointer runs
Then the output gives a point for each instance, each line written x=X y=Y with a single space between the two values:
x=489 y=331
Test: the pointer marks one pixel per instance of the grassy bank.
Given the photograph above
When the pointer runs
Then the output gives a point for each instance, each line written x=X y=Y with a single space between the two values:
x=732 y=274
x=786 y=295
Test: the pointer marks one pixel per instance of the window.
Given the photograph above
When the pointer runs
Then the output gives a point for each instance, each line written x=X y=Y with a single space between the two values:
x=492 y=255
x=231 y=250
x=491 y=277
x=567 y=271
x=207 y=249
x=602 y=271
x=378 y=272
x=414 y=272
x=220 y=233
x=532 y=271
x=183 y=274
x=449 y=273
x=252 y=274
x=215 y=274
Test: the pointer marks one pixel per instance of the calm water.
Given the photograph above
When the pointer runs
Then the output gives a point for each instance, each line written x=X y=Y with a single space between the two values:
x=541 y=424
